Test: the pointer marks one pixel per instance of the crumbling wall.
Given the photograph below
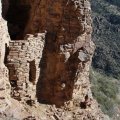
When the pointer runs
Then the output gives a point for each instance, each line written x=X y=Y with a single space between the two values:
x=23 y=63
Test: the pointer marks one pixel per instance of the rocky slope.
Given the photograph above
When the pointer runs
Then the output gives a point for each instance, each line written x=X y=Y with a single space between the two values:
x=47 y=60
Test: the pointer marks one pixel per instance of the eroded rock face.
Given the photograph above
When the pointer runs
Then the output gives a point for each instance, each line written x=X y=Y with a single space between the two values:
x=4 y=81
x=51 y=64
x=68 y=27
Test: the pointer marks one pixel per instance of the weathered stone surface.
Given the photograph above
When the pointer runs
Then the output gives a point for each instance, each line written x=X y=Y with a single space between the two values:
x=4 y=83
x=68 y=27
x=50 y=65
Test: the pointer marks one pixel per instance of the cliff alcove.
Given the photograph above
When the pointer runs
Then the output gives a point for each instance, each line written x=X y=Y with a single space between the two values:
x=16 y=12
x=67 y=29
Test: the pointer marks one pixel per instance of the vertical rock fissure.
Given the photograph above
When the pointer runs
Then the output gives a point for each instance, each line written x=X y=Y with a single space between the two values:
x=6 y=53
x=32 y=71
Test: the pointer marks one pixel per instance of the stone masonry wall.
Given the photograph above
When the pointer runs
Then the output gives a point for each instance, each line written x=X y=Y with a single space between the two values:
x=23 y=62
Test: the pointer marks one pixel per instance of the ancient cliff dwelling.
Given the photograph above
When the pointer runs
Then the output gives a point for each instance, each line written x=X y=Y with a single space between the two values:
x=46 y=51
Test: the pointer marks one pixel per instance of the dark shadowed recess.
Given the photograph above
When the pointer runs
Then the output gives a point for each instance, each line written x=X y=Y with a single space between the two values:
x=17 y=14
x=48 y=91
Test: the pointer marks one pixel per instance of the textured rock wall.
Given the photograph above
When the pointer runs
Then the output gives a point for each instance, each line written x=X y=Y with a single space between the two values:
x=4 y=83
x=67 y=52
x=67 y=49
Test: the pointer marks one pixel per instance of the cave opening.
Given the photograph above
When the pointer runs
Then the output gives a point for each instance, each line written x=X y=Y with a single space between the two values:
x=16 y=13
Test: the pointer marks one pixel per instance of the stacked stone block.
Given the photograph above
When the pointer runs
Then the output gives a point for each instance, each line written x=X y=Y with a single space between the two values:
x=23 y=62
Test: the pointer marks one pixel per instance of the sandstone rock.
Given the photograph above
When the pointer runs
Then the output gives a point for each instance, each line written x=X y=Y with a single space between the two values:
x=47 y=59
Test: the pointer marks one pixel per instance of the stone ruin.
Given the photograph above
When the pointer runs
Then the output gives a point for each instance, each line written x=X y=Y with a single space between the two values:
x=23 y=59
x=50 y=66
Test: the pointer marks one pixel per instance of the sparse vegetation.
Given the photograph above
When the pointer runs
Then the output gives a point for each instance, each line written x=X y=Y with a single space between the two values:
x=105 y=90
x=105 y=75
